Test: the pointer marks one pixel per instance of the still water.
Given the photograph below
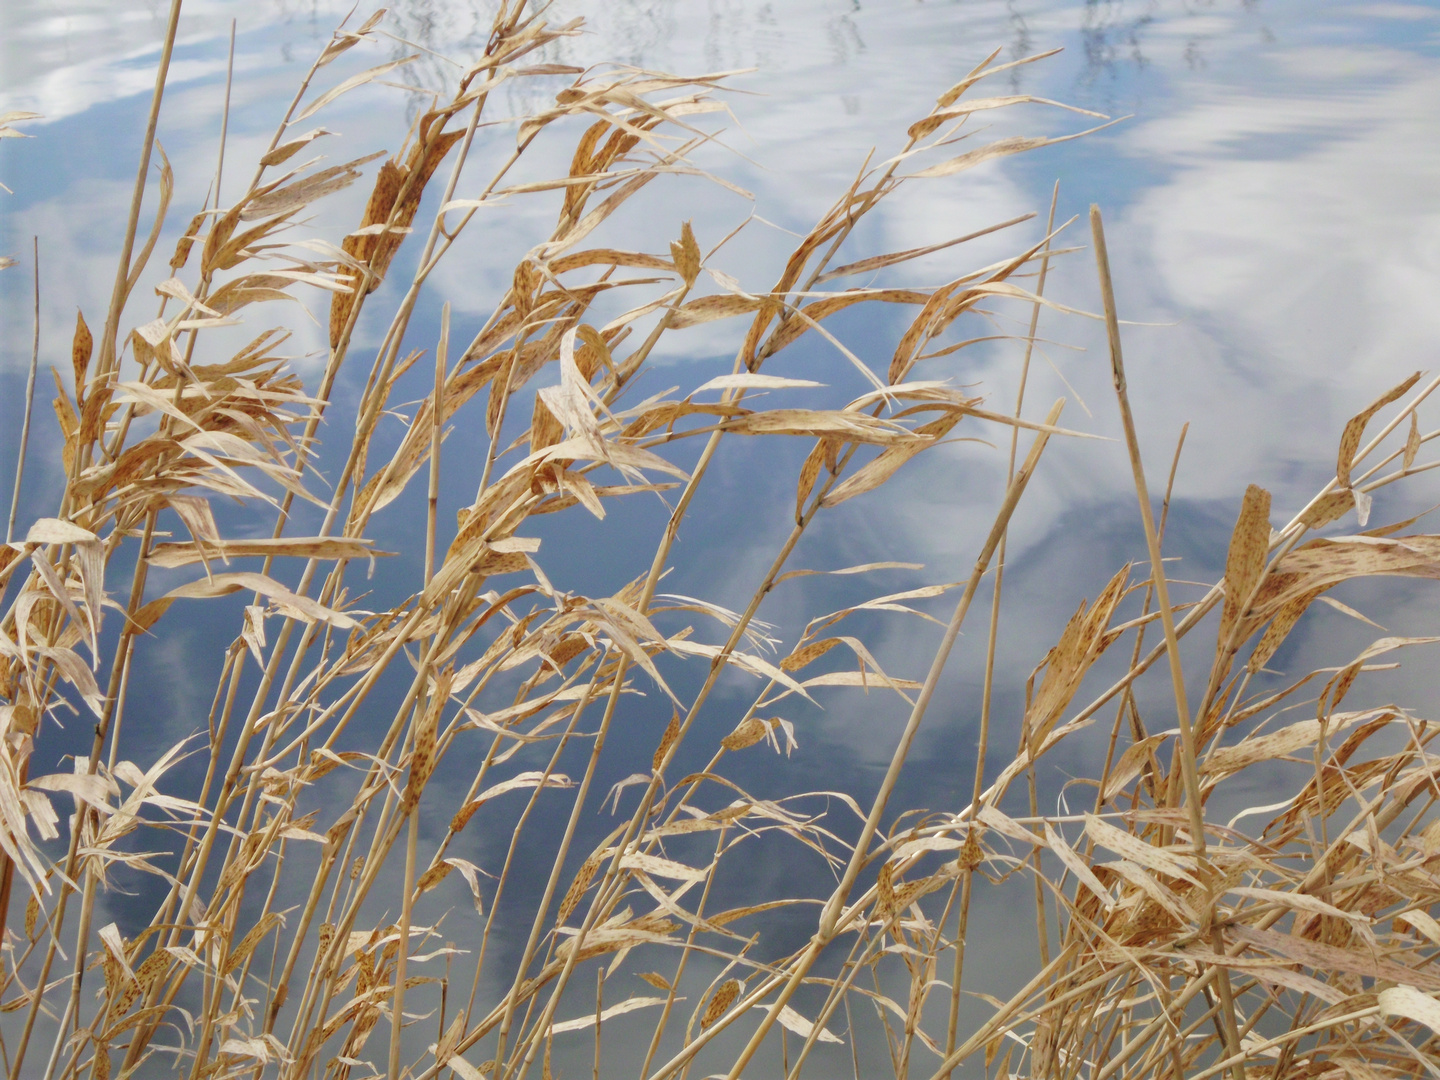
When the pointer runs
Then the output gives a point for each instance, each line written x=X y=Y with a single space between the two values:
x=1270 y=200
x=1273 y=220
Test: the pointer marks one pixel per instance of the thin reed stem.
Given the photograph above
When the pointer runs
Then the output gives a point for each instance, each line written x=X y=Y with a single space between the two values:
x=225 y=118
x=436 y=434
x=29 y=403
x=120 y=293
x=1194 y=805
x=991 y=642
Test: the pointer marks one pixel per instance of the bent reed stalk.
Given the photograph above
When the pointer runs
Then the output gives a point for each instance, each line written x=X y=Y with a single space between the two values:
x=309 y=912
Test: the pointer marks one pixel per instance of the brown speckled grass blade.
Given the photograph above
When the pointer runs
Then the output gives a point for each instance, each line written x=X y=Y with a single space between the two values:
x=327 y=871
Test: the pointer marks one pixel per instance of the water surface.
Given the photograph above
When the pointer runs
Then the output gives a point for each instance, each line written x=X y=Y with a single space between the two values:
x=1272 y=217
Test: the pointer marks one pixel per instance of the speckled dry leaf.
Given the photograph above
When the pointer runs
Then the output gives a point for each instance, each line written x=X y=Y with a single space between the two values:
x=588 y=1021
x=317 y=547
x=686 y=254
x=888 y=461
x=594 y=218
x=847 y=426
x=150 y=614
x=1323 y=957
x=116 y=948
x=1249 y=548
x=1355 y=429
x=809 y=473
x=818 y=310
x=870 y=678
x=1297 y=900
x=1355 y=1068
x=1328 y=508
x=1006 y=825
x=667 y=740
x=1306 y=572
x=721 y=1000
x=921 y=128
x=295 y=606
x=862 y=568
x=69 y=424
x=807 y=654
x=1279 y=629
x=1130 y=765
x=303 y=192
x=583 y=877
x=250 y=940
x=665 y=868
x=971 y=853
x=1285 y=741
x=1136 y=850
x=747 y=733
x=81 y=348
x=1081 y=643
x=323 y=761
x=1278 y=976
x=545 y=429
x=90 y=788
x=1015 y=144
x=709 y=308
x=432 y=877
x=1412 y=441
x=601 y=257
x=187 y=241
x=1162 y=897
x=1077 y=866
x=286 y=150
x=350 y=84
x=521 y=782
x=422 y=753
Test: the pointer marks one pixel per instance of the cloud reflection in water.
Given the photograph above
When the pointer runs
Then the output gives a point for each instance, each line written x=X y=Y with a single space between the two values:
x=1272 y=202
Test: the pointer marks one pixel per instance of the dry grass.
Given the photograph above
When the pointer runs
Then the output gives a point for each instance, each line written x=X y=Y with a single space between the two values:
x=301 y=942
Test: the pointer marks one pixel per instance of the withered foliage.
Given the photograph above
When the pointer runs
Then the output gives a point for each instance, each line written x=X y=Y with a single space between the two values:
x=297 y=927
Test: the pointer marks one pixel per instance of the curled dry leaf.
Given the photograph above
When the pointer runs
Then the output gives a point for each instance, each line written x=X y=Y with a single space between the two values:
x=1355 y=429
x=1410 y=1003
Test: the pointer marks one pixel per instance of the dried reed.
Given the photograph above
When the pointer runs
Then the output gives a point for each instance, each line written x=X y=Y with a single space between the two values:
x=297 y=943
